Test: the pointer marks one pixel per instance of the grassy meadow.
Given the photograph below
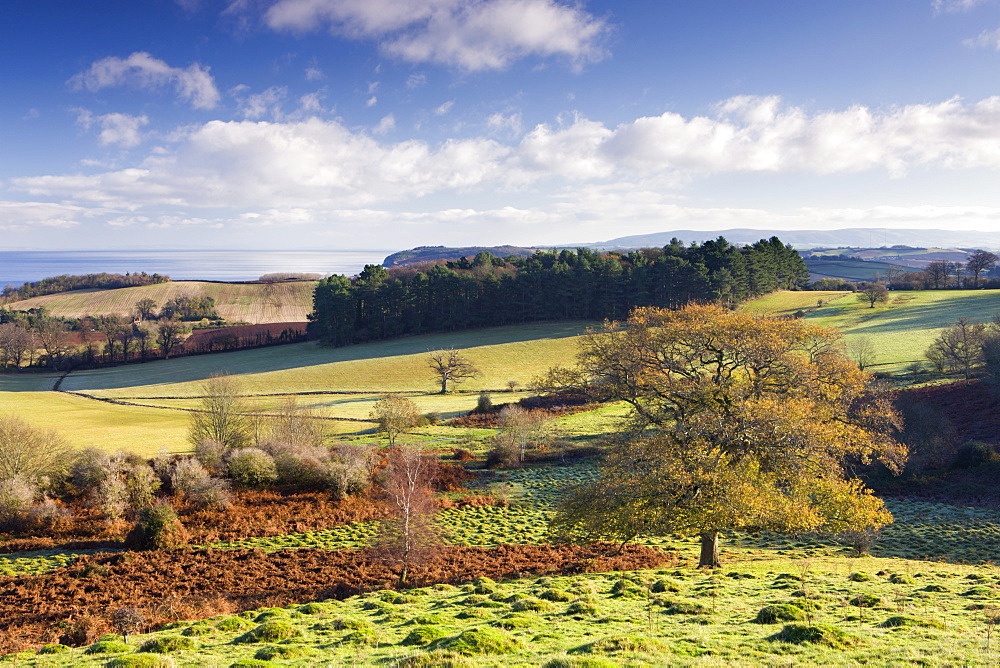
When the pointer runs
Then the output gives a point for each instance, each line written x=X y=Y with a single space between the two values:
x=900 y=330
x=361 y=374
x=929 y=596
x=777 y=601
x=236 y=302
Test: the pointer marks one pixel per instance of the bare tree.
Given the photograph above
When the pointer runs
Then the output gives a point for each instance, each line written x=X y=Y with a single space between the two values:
x=14 y=344
x=168 y=334
x=520 y=426
x=224 y=415
x=959 y=346
x=54 y=338
x=937 y=273
x=451 y=366
x=408 y=536
x=145 y=309
x=127 y=621
x=979 y=262
x=30 y=452
x=394 y=414
x=294 y=425
x=862 y=350
x=112 y=326
x=874 y=293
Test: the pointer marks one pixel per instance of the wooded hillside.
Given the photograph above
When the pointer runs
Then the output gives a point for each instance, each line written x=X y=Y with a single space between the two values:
x=582 y=284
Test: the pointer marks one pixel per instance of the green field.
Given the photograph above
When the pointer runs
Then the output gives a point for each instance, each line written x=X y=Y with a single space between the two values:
x=849 y=269
x=901 y=331
x=366 y=371
x=788 y=302
x=894 y=609
x=930 y=596
x=236 y=302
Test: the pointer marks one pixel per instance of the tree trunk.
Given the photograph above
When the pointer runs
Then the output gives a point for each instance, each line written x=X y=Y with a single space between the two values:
x=709 y=550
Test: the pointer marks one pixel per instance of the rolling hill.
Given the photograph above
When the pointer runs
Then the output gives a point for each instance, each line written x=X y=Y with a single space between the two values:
x=253 y=303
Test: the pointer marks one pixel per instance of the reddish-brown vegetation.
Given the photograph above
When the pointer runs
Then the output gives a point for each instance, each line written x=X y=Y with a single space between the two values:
x=244 y=336
x=188 y=584
x=552 y=405
x=973 y=409
x=253 y=513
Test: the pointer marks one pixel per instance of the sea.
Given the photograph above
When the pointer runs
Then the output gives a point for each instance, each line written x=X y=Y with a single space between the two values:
x=22 y=266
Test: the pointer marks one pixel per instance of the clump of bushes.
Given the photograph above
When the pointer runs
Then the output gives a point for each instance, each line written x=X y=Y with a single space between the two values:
x=193 y=481
x=817 y=634
x=157 y=528
x=274 y=630
x=167 y=644
x=480 y=641
x=422 y=635
x=251 y=468
x=782 y=612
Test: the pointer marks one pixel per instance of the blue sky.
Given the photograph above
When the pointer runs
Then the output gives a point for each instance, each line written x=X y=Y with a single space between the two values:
x=385 y=124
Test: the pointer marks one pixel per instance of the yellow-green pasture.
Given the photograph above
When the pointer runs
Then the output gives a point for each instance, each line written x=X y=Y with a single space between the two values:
x=349 y=406
x=787 y=302
x=235 y=302
x=502 y=354
x=902 y=330
x=366 y=371
x=87 y=423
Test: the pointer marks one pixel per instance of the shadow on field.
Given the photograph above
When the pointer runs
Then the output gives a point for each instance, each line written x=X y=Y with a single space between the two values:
x=292 y=356
x=979 y=307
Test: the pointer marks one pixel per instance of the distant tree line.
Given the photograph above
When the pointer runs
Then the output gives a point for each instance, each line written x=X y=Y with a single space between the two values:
x=54 y=284
x=977 y=272
x=582 y=284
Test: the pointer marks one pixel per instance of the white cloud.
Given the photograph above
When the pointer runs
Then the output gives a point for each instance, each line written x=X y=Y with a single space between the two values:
x=620 y=176
x=121 y=129
x=265 y=104
x=469 y=34
x=14 y=215
x=309 y=163
x=193 y=84
x=371 y=102
x=311 y=102
x=444 y=108
x=510 y=123
x=314 y=74
x=416 y=80
x=957 y=5
x=385 y=126
x=987 y=38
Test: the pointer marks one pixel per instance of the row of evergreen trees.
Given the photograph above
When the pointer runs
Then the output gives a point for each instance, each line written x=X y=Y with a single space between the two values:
x=581 y=284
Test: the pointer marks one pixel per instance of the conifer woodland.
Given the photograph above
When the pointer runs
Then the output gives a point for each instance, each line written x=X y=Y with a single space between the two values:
x=581 y=284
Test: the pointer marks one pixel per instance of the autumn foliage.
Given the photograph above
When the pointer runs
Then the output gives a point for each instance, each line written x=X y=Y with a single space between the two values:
x=738 y=422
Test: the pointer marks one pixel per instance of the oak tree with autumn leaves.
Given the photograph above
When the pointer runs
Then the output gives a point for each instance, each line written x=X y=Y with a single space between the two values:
x=738 y=422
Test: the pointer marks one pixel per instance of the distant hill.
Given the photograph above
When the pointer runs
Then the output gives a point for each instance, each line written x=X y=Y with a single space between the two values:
x=253 y=303
x=868 y=237
x=430 y=253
